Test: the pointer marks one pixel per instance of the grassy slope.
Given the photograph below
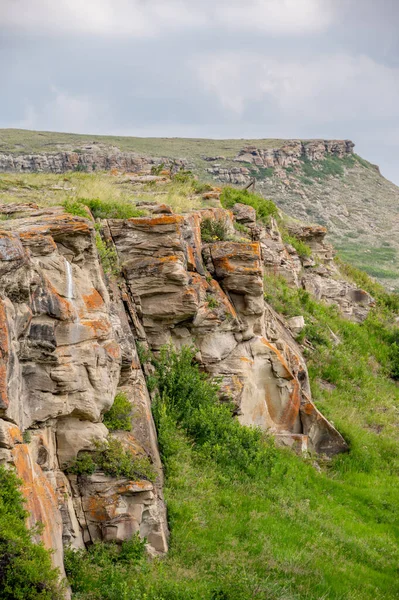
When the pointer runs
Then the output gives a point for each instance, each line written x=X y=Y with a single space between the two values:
x=20 y=141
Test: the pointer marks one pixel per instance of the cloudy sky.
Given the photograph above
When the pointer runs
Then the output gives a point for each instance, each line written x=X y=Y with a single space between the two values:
x=206 y=68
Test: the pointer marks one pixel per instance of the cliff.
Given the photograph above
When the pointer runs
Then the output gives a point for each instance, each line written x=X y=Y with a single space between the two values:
x=68 y=346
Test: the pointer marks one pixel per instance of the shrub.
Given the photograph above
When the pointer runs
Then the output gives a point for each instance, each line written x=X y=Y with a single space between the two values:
x=201 y=188
x=25 y=567
x=264 y=208
x=157 y=169
x=212 y=231
x=105 y=569
x=114 y=460
x=119 y=415
x=110 y=209
x=108 y=256
x=183 y=176
x=304 y=251
x=188 y=398
x=75 y=207
x=212 y=301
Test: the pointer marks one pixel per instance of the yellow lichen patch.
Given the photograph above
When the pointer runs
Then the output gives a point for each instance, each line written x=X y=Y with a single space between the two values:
x=41 y=499
x=93 y=301
x=160 y=220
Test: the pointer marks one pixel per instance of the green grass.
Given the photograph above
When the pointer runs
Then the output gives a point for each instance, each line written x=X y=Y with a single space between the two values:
x=304 y=251
x=380 y=262
x=264 y=208
x=329 y=166
x=20 y=141
x=249 y=520
x=118 y=417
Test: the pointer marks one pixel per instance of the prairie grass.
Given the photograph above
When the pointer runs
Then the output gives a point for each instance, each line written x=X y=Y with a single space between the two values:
x=251 y=521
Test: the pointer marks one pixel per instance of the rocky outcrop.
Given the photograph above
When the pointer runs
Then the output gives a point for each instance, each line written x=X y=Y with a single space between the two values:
x=65 y=350
x=68 y=344
x=89 y=158
x=294 y=151
x=213 y=299
x=290 y=154
x=102 y=158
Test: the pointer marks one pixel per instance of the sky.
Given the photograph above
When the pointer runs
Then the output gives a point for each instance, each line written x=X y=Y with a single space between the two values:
x=206 y=68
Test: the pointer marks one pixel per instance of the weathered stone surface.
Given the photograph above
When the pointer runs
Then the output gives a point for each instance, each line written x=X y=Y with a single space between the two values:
x=62 y=347
x=90 y=158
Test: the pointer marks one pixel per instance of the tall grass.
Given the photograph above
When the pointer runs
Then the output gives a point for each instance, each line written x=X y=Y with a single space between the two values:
x=249 y=520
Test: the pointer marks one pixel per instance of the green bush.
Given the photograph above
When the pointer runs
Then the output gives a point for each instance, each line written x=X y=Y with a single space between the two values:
x=111 y=458
x=264 y=208
x=212 y=301
x=157 y=169
x=187 y=397
x=200 y=187
x=26 y=572
x=304 y=251
x=118 y=417
x=183 y=176
x=75 y=207
x=101 y=209
x=213 y=230
x=108 y=256
x=103 y=570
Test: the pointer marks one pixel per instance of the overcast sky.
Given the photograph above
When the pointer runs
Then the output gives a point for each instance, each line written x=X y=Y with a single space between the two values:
x=206 y=68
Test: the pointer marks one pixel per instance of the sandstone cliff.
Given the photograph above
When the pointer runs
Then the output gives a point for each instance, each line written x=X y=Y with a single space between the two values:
x=68 y=340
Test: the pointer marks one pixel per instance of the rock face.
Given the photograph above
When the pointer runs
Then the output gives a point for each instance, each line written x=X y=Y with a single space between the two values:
x=289 y=155
x=65 y=349
x=67 y=345
x=90 y=158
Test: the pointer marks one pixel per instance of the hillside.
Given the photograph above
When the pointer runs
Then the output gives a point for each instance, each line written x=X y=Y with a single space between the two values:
x=269 y=467
x=329 y=184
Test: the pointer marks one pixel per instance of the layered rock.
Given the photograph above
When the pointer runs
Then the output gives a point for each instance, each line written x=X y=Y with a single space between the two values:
x=290 y=154
x=214 y=300
x=64 y=350
x=90 y=158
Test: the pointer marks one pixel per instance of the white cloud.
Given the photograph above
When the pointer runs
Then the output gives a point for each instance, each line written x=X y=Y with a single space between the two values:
x=148 y=18
x=276 y=16
x=319 y=90
x=64 y=112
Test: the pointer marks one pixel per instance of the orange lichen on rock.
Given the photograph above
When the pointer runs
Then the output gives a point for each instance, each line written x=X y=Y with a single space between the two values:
x=100 y=328
x=93 y=301
x=41 y=500
x=102 y=508
x=154 y=221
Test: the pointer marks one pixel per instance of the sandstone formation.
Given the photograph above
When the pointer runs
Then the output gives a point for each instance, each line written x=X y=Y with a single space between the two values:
x=89 y=158
x=68 y=344
x=289 y=155
x=65 y=349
